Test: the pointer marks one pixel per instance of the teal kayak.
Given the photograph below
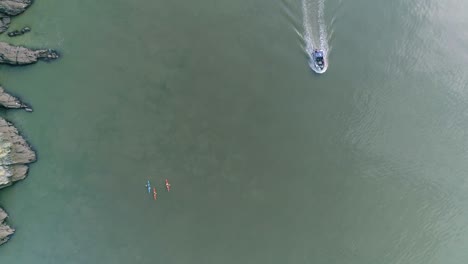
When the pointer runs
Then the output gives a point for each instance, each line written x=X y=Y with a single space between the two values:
x=148 y=185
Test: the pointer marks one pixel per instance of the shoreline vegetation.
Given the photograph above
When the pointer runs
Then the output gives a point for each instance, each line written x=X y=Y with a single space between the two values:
x=15 y=152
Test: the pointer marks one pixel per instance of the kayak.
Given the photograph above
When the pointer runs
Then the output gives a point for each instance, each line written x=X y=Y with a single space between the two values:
x=148 y=185
x=168 y=186
x=155 y=194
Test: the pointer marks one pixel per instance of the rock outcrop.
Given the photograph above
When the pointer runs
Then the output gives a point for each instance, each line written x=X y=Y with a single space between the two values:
x=14 y=7
x=15 y=154
x=9 y=101
x=17 y=55
x=21 y=32
x=9 y=8
x=5 y=230
x=4 y=22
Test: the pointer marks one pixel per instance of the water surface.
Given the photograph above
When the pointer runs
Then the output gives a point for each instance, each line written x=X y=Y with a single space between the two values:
x=269 y=162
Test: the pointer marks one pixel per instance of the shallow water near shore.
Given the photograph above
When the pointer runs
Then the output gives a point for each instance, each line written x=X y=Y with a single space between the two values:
x=269 y=162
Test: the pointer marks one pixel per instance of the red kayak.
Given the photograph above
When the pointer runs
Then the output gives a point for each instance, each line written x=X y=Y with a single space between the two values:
x=168 y=186
x=155 y=194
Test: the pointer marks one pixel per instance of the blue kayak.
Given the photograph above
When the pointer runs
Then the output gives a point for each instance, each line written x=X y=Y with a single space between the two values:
x=148 y=185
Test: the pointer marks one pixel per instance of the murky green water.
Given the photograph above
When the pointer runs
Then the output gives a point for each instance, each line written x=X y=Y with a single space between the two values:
x=269 y=163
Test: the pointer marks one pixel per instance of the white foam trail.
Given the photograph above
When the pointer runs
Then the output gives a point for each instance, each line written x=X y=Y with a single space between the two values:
x=307 y=27
x=322 y=26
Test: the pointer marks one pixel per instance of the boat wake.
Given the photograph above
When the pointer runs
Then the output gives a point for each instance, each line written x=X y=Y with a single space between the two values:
x=315 y=34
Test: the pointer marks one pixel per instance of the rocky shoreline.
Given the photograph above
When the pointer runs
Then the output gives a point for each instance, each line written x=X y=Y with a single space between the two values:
x=5 y=231
x=9 y=8
x=15 y=152
x=9 y=101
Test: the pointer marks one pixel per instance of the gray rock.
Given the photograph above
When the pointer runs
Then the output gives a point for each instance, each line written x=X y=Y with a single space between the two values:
x=13 y=148
x=4 y=23
x=9 y=101
x=15 y=154
x=14 y=7
x=17 y=55
x=5 y=230
x=9 y=8
x=16 y=33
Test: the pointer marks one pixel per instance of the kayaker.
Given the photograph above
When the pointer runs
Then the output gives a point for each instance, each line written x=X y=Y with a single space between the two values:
x=148 y=185
x=168 y=186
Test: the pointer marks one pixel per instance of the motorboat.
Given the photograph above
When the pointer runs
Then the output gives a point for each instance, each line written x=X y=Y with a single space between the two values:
x=318 y=60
